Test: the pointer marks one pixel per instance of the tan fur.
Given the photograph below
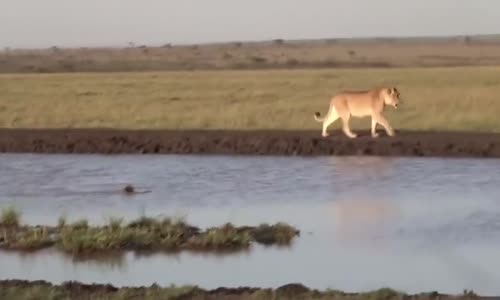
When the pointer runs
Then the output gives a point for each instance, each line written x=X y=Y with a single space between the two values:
x=360 y=104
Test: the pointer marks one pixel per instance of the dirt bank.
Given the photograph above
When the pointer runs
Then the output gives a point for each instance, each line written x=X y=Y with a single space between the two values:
x=73 y=290
x=270 y=142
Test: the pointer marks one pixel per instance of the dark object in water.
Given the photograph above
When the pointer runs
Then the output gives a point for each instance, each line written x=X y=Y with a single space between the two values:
x=129 y=189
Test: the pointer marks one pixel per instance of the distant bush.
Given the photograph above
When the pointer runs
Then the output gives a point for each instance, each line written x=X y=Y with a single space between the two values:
x=292 y=62
x=259 y=59
x=279 y=41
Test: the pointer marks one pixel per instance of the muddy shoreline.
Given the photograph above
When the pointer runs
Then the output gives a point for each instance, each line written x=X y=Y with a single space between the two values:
x=255 y=142
x=76 y=290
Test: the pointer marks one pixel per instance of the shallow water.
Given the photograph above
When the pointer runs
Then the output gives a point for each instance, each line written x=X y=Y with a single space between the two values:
x=411 y=224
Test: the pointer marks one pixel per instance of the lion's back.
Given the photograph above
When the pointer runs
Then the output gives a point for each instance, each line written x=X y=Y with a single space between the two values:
x=355 y=103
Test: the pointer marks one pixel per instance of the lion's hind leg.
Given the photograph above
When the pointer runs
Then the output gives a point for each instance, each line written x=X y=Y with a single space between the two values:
x=346 y=128
x=332 y=117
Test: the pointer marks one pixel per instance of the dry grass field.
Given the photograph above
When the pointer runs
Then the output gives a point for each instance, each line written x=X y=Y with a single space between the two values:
x=461 y=98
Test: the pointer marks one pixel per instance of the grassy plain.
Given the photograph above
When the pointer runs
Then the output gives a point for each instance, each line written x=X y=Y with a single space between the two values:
x=455 y=98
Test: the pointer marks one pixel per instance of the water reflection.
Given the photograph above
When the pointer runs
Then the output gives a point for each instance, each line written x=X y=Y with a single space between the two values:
x=357 y=219
x=362 y=169
x=113 y=260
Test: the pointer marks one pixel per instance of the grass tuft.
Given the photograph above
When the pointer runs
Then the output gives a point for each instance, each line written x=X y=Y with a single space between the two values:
x=10 y=217
x=31 y=240
x=81 y=224
x=226 y=237
x=115 y=224
x=381 y=294
x=61 y=222
x=280 y=233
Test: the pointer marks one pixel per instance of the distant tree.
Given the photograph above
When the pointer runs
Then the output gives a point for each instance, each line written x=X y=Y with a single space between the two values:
x=279 y=41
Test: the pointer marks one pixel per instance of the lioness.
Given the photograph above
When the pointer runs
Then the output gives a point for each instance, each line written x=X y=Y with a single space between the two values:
x=360 y=104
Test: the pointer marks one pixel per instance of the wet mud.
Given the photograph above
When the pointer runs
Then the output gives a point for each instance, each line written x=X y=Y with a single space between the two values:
x=258 y=142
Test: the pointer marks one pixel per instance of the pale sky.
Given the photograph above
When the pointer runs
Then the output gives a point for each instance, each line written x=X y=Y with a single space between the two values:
x=74 y=23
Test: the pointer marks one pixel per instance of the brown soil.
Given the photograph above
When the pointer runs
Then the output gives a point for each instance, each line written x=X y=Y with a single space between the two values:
x=263 y=142
x=75 y=290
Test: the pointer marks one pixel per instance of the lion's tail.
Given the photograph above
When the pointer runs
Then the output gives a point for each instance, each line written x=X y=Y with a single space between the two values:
x=317 y=115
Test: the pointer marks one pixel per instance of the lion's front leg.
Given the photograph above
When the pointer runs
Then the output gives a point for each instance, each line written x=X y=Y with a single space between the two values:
x=382 y=121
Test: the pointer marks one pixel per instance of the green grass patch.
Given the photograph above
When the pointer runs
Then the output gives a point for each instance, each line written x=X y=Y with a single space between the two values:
x=9 y=217
x=144 y=234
